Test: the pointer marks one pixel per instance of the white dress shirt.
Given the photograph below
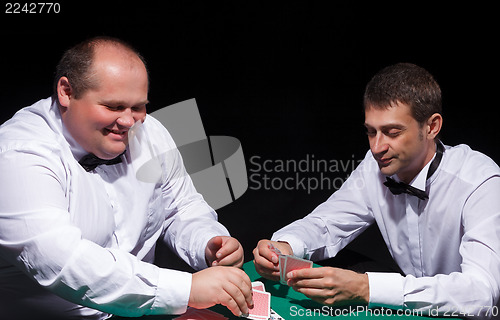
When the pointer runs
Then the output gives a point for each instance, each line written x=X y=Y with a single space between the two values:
x=89 y=237
x=447 y=246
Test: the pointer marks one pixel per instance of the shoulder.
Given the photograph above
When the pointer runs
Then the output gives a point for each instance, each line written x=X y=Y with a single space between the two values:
x=32 y=130
x=32 y=122
x=157 y=135
x=469 y=165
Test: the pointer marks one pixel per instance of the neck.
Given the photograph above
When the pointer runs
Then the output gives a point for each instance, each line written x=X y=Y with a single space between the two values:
x=407 y=177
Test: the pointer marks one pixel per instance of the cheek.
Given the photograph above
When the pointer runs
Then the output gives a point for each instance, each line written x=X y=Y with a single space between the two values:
x=99 y=118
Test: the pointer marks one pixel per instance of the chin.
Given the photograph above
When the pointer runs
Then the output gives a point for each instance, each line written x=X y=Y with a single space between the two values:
x=388 y=171
x=110 y=154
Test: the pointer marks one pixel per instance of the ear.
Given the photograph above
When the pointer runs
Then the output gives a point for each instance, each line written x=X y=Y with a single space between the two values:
x=434 y=124
x=64 y=91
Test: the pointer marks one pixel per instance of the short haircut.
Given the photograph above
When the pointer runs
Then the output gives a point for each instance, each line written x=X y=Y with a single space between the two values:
x=408 y=84
x=76 y=63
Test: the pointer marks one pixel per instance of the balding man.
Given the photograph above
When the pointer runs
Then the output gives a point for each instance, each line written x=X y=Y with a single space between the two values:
x=78 y=234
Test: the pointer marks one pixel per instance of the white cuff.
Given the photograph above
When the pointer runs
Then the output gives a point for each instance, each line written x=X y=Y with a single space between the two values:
x=298 y=247
x=386 y=290
x=172 y=294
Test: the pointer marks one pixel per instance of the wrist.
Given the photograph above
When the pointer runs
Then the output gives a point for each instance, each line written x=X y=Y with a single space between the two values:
x=365 y=289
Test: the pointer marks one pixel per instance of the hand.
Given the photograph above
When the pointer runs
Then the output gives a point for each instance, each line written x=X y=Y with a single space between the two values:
x=266 y=261
x=224 y=251
x=228 y=286
x=331 y=286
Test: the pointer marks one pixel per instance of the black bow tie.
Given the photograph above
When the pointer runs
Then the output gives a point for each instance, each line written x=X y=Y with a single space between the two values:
x=90 y=161
x=401 y=187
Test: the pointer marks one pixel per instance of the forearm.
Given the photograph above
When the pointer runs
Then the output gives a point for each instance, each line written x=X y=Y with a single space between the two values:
x=190 y=230
x=318 y=238
x=116 y=282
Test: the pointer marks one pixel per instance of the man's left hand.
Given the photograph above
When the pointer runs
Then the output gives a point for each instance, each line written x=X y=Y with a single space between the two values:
x=224 y=251
x=331 y=286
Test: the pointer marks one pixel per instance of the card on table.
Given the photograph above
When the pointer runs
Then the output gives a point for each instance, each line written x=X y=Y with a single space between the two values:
x=275 y=316
x=200 y=314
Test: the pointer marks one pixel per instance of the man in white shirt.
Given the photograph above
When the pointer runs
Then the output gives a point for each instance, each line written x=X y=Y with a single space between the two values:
x=77 y=239
x=437 y=207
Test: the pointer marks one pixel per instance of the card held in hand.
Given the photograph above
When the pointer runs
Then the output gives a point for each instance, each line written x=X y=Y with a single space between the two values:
x=293 y=263
x=288 y=263
x=261 y=302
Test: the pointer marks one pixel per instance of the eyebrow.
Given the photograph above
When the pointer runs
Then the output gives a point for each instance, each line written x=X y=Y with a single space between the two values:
x=123 y=103
x=388 y=126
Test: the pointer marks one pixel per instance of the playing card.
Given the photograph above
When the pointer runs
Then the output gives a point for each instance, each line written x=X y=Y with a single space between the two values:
x=259 y=286
x=262 y=305
x=275 y=316
x=282 y=264
x=200 y=314
x=294 y=263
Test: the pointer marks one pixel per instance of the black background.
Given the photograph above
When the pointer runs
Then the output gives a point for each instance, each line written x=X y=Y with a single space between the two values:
x=285 y=78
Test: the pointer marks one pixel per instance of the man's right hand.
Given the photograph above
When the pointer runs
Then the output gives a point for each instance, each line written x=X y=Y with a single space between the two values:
x=266 y=261
x=228 y=286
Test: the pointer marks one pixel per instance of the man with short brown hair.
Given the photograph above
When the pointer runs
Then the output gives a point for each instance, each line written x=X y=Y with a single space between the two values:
x=437 y=208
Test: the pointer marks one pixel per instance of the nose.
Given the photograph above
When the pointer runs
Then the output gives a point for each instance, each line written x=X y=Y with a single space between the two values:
x=126 y=118
x=378 y=144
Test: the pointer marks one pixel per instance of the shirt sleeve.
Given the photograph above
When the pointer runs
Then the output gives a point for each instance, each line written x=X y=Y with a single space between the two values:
x=190 y=222
x=38 y=237
x=472 y=292
x=334 y=223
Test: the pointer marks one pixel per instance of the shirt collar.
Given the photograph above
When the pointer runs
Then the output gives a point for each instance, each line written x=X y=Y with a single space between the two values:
x=420 y=179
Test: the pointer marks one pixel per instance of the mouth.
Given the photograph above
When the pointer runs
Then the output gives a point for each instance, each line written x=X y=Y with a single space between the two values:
x=116 y=134
x=384 y=162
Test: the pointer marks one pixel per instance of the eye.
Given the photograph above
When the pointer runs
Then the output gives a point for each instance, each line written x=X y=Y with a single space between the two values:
x=113 y=108
x=392 y=133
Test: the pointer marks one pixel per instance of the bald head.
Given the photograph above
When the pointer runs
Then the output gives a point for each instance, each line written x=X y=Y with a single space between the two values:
x=79 y=63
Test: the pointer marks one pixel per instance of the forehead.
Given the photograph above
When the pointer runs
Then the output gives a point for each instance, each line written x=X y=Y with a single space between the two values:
x=116 y=68
x=397 y=114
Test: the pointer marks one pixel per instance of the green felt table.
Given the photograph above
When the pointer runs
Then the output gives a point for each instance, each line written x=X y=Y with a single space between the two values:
x=290 y=304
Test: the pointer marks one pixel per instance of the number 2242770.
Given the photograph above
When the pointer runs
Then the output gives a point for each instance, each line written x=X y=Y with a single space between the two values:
x=32 y=7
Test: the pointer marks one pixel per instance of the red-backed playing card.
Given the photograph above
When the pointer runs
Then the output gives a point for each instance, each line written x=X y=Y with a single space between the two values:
x=294 y=263
x=282 y=263
x=262 y=305
x=200 y=314
x=259 y=286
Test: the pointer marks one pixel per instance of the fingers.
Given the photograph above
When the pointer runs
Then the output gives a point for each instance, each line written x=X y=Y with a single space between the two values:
x=214 y=244
x=266 y=261
x=224 y=251
x=305 y=278
x=331 y=286
x=230 y=253
x=239 y=296
x=211 y=249
x=228 y=286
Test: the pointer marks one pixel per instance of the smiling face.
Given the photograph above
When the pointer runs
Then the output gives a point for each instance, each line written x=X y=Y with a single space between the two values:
x=399 y=144
x=99 y=120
